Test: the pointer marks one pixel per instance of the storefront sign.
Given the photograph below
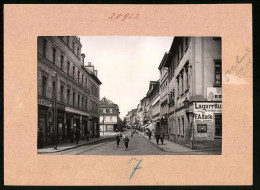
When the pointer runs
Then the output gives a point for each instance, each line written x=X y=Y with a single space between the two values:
x=205 y=106
x=214 y=94
x=76 y=117
x=44 y=102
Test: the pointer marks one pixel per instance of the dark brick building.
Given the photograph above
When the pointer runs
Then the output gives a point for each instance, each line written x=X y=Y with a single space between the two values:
x=64 y=81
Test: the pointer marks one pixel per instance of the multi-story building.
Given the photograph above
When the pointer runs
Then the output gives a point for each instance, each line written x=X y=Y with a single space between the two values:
x=68 y=93
x=195 y=95
x=109 y=113
x=164 y=95
x=153 y=95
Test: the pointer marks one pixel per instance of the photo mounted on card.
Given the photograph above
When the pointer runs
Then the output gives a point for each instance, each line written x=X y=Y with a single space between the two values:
x=102 y=97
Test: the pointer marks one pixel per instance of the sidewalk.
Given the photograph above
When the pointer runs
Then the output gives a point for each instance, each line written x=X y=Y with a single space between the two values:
x=68 y=145
x=172 y=147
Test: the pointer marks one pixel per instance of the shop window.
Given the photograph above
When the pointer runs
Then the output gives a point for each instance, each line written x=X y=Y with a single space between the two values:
x=44 y=84
x=61 y=62
x=218 y=125
x=61 y=93
x=218 y=73
x=183 y=125
x=44 y=47
x=53 y=55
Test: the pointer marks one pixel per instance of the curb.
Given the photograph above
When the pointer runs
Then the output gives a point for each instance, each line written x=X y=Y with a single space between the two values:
x=75 y=146
x=154 y=144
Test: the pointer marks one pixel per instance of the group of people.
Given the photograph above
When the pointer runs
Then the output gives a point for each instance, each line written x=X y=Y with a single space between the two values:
x=158 y=135
x=125 y=139
x=77 y=135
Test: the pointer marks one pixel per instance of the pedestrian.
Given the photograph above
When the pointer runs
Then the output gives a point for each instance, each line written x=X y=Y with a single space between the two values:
x=157 y=136
x=40 y=138
x=162 y=136
x=131 y=133
x=77 y=135
x=150 y=134
x=71 y=136
x=126 y=141
x=120 y=135
x=117 y=140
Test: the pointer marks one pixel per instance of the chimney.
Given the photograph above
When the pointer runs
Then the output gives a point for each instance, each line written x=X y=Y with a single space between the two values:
x=89 y=63
x=83 y=57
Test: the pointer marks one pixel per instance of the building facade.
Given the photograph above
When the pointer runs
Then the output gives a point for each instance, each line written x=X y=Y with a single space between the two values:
x=164 y=95
x=68 y=93
x=195 y=94
x=109 y=114
x=154 y=102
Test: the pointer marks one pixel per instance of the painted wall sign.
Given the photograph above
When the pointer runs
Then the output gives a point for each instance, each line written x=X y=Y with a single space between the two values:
x=44 y=102
x=214 y=94
x=202 y=128
x=207 y=106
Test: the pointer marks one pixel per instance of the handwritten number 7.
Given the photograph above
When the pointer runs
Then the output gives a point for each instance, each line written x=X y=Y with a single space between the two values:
x=136 y=167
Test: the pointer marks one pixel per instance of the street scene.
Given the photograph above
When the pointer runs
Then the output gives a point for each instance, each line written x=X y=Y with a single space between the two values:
x=129 y=95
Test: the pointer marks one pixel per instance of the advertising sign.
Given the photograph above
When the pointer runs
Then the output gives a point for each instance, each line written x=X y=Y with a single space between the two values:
x=204 y=111
x=214 y=94
x=44 y=102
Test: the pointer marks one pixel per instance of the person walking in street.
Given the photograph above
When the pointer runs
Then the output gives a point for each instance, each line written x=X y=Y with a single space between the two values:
x=157 y=136
x=149 y=134
x=71 y=136
x=87 y=135
x=126 y=141
x=162 y=136
x=77 y=135
x=131 y=133
x=117 y=140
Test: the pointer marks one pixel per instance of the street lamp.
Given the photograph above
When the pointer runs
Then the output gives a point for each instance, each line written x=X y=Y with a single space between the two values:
x=186 y=103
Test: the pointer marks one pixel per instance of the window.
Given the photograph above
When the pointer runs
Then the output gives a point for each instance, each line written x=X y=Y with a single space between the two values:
x=82 y=79
x=44 y=47
x=68 y=97
x=73 y=72
x=218 y=125
x=68 y=40
x=181 y=49
x=73 y=47
x=44 y=83
x=78 y=76
x=53 y=55
x=78 y=52
x=86 y=82
x=82 y=102
x=78 y=101
x=68 y=68
x=61 y=62
x=53 y=90
x=61 y=93
x=73 y=99
x=86 y=104
x=218 y=73
x=187 y=77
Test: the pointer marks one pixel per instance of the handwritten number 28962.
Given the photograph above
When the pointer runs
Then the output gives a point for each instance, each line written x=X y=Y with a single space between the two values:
x=123 y=17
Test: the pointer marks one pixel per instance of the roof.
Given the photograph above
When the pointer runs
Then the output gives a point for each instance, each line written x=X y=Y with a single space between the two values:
x=106 y=102
x=92 y=75
x=163 y=61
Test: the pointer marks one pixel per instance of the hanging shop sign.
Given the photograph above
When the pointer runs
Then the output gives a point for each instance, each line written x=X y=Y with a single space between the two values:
x=44 y=102
x=214 y=94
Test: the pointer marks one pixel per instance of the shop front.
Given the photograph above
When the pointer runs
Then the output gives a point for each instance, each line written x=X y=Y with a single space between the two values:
x=85 y=126
x=76 y=122
x=45 y=122
x=206 y=129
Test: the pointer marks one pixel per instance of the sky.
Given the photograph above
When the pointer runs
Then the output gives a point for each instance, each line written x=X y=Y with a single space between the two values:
x=126 y=65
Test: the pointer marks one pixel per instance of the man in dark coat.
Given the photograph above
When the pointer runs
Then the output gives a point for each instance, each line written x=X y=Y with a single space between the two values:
x=77 y=135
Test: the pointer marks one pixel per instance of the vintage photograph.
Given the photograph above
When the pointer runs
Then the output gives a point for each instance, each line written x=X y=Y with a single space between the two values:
x=129 y=95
